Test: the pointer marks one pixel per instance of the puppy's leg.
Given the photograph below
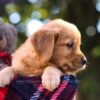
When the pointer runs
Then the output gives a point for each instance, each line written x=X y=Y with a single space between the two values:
x=51 y=78
x=6 y=75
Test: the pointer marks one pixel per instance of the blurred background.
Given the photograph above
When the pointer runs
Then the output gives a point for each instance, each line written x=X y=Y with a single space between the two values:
x=29 y=15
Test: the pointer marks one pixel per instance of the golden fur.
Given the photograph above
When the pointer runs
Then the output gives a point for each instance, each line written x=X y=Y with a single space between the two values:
x=50 y=52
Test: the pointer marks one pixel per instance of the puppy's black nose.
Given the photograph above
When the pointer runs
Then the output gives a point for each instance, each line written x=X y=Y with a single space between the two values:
x=83 y=61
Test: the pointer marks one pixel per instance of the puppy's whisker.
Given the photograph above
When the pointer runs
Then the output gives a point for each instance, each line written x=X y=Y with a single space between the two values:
x=87 y=63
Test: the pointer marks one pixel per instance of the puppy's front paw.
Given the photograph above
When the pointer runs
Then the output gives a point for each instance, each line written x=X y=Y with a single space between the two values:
x=6 y=75
x=51 y=78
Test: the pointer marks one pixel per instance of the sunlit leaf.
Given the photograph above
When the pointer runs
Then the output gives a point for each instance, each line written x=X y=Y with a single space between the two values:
x=96 y=51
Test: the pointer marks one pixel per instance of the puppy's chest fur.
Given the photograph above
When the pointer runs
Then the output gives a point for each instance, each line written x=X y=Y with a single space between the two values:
x=29 y=63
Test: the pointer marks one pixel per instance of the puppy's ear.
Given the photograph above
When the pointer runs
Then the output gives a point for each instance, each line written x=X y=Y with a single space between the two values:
x=44 y=42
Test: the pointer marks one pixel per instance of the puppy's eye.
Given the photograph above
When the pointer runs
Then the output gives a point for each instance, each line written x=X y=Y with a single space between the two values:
x=69 y=45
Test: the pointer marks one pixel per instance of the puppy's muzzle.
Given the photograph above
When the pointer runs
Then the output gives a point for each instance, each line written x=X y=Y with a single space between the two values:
x=83 y=61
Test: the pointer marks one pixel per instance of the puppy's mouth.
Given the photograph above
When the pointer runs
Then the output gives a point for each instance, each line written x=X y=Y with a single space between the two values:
x=72 y=68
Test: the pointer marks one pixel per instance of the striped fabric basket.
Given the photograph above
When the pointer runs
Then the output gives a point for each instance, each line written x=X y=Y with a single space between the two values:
x=30 y=88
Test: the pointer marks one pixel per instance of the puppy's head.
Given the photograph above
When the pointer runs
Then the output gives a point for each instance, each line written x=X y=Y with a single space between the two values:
x=59 y=43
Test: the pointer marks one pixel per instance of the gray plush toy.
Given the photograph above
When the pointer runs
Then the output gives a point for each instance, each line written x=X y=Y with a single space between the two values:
x=8 y=40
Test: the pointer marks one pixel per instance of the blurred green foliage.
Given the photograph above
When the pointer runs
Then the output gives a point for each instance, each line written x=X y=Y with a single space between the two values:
x=84 y=13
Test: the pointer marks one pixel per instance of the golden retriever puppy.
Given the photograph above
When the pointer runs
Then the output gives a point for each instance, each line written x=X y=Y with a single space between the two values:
x=52 y=51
